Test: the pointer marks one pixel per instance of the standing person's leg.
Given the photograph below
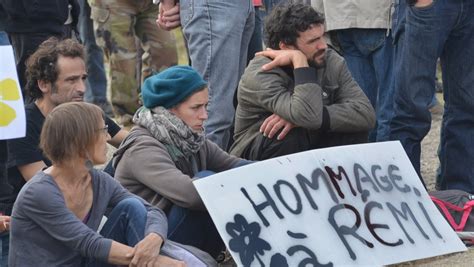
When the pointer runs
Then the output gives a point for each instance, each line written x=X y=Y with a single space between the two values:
x=96 y=80
x=383 y=64
x=457 y=60
x=398 y=37
x=114 y=22
x=260 y=14
x=159 y=46
x=256 y=41
x=425 y=33
x=217 y=34
x=358 y=46
x=270 y=4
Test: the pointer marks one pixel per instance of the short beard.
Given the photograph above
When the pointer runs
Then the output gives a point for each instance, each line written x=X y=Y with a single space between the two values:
x=316 y=65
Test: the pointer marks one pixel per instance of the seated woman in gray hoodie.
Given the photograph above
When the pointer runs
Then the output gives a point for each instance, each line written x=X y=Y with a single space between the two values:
x=167 y=150
x=57 y=213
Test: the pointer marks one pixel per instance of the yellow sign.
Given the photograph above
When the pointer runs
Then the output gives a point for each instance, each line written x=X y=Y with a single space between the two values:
x=12 y=110
x=8 y=91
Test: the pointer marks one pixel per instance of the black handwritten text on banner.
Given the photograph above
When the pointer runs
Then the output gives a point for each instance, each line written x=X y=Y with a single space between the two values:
x=361 y=204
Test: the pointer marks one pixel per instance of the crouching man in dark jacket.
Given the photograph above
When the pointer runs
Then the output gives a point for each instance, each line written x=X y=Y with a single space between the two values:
x=298 y=94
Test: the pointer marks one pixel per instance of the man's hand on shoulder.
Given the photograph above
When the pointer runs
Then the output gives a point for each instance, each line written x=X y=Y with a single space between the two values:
x=284 y=57
x=273 y=124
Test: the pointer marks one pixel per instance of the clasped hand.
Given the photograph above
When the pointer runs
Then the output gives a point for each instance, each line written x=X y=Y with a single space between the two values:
x=147 y=253
x=273 y=124
x=168 y=15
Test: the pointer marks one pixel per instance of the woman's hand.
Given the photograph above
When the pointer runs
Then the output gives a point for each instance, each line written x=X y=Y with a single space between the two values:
x=146 y=251
x=4 y=223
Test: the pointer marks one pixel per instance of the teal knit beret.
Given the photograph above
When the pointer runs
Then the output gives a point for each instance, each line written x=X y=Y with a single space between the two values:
x=171 y=86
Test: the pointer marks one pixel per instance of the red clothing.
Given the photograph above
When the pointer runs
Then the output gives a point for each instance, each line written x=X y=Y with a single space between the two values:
x=257 y=3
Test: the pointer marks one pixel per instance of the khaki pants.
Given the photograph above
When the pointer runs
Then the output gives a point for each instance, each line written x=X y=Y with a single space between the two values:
x=119 y=25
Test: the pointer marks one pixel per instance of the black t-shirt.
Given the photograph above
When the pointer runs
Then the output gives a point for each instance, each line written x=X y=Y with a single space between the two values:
x=26 y=150
x=113 y=127
x=5 y=187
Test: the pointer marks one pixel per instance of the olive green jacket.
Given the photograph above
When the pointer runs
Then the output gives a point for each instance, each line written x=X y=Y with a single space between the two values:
x=330 y=100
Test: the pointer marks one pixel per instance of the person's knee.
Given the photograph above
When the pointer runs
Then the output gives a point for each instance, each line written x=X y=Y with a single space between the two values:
x=296 y=140
x=204 y=173
x=342 y=139
x=360 y=138
x=133 y=206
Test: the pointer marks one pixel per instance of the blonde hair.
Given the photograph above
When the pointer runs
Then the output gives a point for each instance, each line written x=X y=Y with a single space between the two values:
x=70 y=130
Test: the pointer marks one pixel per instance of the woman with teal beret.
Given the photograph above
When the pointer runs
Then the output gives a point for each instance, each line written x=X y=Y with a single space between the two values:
x=166 y=150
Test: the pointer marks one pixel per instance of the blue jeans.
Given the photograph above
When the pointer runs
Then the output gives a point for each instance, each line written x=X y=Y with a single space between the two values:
x=256 y=41
x=369 y=57
x=4 y=38
x=4 y=248
x=270 y=4
x=96 y=81
x=443 y=29
x=194 y=228
x=217 y=34
x=125 y=224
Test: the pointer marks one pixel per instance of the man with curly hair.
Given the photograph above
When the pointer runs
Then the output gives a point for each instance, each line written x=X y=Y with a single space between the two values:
x=298 y=94
x=56 y=74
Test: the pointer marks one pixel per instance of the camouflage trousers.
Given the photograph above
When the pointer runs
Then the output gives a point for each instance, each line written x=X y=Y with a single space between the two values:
x=124 y=29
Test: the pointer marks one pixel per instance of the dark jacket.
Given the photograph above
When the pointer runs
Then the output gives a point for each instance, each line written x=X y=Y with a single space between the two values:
x=45 y=16
x=303 y=103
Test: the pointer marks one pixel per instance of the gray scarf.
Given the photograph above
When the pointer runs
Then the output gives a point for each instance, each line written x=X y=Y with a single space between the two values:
x=180 y=140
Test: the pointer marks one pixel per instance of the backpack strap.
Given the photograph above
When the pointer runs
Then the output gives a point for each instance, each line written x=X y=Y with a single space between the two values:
x=466 y=211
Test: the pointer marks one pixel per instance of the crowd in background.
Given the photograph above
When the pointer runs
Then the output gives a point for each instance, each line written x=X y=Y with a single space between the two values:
x=326 y=73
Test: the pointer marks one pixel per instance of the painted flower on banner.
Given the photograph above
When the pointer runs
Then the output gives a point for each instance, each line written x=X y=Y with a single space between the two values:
x=246 y=241
x=8 y=92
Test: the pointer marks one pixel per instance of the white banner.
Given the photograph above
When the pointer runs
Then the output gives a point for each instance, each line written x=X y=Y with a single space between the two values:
x=12 y=111
x=348 y=205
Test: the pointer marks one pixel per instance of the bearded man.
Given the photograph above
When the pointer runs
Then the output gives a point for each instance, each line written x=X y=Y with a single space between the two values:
x=298 y=94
